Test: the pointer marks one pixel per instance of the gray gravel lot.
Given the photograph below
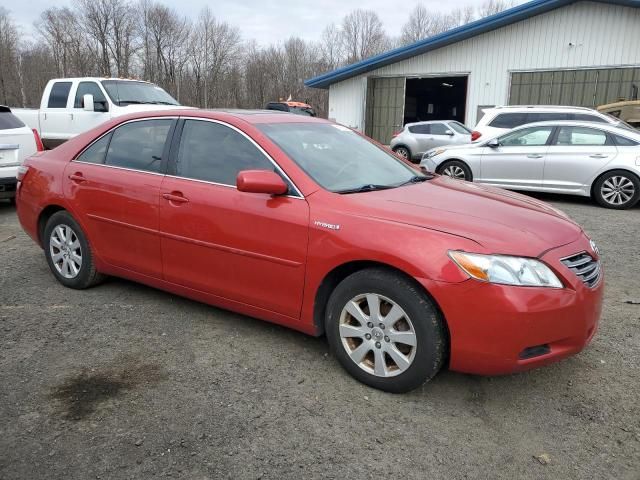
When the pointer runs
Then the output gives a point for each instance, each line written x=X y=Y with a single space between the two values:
x=124 y=381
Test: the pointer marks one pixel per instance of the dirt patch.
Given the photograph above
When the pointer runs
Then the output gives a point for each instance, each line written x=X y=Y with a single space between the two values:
x=79 y=396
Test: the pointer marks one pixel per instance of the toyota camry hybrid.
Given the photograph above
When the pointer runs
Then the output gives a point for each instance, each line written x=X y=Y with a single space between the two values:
x=308 y=224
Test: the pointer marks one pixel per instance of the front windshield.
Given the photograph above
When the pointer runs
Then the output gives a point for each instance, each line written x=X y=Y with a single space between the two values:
x=460 y=128
x=123 y=92
x=339 y=159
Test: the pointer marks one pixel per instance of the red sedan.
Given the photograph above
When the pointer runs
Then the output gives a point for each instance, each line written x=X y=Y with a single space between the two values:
x=305 y=223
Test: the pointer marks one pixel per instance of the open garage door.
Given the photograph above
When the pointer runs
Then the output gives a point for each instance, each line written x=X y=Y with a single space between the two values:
x=385 y=107
x=581 y=88
x=435 y=98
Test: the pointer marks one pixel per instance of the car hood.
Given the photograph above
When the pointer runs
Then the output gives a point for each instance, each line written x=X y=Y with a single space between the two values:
x=501 y=221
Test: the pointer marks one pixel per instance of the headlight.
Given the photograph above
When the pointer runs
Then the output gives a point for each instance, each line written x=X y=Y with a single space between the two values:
x=433 y=153
x=505 y=270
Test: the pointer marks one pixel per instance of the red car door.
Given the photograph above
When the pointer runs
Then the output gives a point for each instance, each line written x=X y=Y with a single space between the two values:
x=245 y=247
x=114 y=186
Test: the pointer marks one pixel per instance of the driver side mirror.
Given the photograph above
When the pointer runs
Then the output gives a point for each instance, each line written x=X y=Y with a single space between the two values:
x=261 y=181
x=88 y=103
x=449 y=132
x=493 y=143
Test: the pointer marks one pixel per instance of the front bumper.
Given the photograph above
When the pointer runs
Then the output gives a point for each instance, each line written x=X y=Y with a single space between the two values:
x=497 y=329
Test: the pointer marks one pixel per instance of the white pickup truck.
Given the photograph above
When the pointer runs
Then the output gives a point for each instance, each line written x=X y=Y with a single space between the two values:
x=71 y=106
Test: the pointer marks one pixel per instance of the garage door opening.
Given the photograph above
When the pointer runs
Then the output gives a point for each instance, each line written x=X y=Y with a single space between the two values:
x=436 y=98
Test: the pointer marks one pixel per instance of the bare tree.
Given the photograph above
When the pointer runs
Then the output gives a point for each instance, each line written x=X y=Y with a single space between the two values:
x=8 y=56
x=491 y=7
x=97 y=16
x=362 y=35
x=122 y=37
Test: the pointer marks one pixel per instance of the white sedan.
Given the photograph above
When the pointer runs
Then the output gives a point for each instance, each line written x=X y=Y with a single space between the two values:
x=578 y=158
x=17 y=142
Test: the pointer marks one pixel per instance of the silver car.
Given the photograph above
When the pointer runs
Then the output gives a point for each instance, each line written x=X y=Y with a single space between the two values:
x=416 y=138
x=579 y=158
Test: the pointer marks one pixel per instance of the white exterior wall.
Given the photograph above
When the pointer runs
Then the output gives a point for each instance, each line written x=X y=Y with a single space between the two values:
x=602 y=36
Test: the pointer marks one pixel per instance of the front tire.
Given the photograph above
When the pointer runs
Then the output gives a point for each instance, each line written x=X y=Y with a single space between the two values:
x=403 y=152
x=456 y=169
x=617 y=189
x=68 y=252
x=385 y=331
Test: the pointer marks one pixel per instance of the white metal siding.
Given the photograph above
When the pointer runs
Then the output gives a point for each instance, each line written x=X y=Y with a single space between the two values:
x=601 y=35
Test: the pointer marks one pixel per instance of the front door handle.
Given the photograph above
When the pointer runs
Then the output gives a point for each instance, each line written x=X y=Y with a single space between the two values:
x=77 y=177
x=534 y=155
x=176 y=197
x=598 y=155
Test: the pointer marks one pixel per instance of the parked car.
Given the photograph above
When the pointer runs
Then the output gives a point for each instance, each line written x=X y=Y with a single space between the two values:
x=17 y=142
x=308 y=224
x=578 y=158
x=299 y=108
x=416 y=138
x=499 y=120
x=628 y=111
x=71 y=106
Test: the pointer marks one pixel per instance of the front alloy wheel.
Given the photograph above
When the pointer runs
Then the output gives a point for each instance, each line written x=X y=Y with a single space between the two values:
x=385 y=330
x=378 y=335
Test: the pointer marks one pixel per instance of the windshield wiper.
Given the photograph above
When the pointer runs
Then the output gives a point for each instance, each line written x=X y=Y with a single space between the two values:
x=369 y=187
x=416 y=179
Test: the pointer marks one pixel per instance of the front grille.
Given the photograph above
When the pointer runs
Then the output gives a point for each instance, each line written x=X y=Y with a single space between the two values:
x=585 y=267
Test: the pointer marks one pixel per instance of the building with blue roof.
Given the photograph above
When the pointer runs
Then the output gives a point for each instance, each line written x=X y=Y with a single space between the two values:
x=550 y=52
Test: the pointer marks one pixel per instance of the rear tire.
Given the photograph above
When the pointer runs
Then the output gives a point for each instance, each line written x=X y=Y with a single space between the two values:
x=395 y=340
x=68 y=252
x=456 y=169
x=617 y=189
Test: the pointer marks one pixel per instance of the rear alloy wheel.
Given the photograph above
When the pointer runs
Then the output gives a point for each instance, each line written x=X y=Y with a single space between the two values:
x=617 y=189
x=456 y=169
x=68 y=253
x=385 y=331
x=403 y=152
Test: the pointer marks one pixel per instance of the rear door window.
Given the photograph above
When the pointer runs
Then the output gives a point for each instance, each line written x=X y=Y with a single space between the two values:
x=546 y=116
x=96 y=152
x=423 y=129
x=581 y=136
x=509 y=120
x=59 y=95
x=8 y=121
x=216 y=153
x=139 y=145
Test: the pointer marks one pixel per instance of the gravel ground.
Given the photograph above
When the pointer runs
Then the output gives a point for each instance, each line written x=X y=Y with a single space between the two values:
x=124 y=381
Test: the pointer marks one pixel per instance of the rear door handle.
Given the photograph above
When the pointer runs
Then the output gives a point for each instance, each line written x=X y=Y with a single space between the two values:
x=77 y=177
x=598 y=155
x=176 y=197
x=535 y=155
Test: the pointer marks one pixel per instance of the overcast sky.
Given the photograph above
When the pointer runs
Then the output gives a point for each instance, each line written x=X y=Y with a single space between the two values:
x=266 y=21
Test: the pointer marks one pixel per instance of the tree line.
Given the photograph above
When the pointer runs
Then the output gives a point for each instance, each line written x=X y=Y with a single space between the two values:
x=203 y=62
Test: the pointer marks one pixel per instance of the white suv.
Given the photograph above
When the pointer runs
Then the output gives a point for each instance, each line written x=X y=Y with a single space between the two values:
x=498 y=120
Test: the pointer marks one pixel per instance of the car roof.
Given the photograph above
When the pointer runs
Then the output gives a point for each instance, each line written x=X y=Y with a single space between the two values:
x=249 y=116
x=576 y=123
x=540 y=107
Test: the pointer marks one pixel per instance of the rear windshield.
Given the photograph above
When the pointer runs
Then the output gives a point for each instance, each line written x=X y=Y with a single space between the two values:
x=460 y=128
x=8 y=120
